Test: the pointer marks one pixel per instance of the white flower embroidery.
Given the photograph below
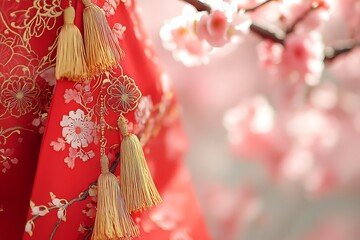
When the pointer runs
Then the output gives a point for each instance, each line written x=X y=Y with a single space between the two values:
x=77 y=131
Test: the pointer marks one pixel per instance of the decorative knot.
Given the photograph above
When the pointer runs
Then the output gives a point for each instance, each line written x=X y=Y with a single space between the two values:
x=69 y=15
x=87 y=3
x=123 y=126
x=104 y=163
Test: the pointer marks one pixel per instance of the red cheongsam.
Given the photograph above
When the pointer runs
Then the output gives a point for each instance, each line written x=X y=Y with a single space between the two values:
x=50 y=130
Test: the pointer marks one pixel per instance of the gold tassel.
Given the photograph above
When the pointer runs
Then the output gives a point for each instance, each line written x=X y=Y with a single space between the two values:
x=70 y=56
x=136 y=183
x=112 y=221
x=101 y=45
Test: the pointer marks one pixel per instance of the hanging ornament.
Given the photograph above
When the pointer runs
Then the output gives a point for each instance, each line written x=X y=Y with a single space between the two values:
x=102 y=47
x=136 y=183
x=113 y=220
x=70 y=56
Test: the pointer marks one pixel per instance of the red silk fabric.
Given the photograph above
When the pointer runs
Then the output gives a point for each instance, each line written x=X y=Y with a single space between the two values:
x=49 y=136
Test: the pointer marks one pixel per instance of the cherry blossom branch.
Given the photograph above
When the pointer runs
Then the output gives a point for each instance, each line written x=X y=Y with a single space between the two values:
x=199 y=5
x=331 y=52
x=266 y=34
x=259 y=5
x=83 y=196
x=279 y=37
x=298 y=20
x=301 y=18
x=57 y=224
x=258 y=30
x=89 y=231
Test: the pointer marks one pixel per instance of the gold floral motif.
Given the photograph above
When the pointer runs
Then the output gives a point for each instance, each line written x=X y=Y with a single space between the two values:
x=19 y=95
x=21 y=91
x=15 y=59
x=37 y=19
x=123 y=94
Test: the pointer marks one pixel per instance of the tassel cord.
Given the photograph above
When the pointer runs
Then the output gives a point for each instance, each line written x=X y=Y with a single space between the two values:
x=136 y=183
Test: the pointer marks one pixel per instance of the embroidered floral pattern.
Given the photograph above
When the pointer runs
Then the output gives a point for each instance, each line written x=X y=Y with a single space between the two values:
x=123 y=94
x=6 y=159
x=77 y=130
x=110 y=7
x=119 y=30
x=24 y=72
x=41 y=210
x=143 y=110
x=37 y=19
x=19 y=95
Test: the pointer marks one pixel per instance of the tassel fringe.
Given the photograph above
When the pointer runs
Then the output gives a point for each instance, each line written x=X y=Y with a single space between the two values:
x=112 y=221
x=102 y=47
x=136 y=183
x=70 y=56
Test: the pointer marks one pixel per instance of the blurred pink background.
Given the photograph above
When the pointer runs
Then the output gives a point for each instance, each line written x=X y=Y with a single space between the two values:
x=241 y=198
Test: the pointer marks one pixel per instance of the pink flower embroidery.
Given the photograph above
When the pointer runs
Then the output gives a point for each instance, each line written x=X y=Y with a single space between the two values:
x=49 y=76
x=143 y=110
x=75 y=153
x=77 y=130
x=300 y=60
x=90 y=210
x=70 y=95
x=6 y=158
x=119 y=30
x=58 y=145
x=110 y=7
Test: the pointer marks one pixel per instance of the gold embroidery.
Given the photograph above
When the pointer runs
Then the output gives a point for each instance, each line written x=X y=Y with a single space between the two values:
x=19 y=95
x=37 y=19
x=123 y=94
x=21 y=92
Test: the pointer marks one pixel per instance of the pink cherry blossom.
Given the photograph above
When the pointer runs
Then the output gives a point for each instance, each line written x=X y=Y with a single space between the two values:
x=249 y=126
x=301 y=58
x=220 y=27
x=213 y=28
x=269 y=53
x=179 y=37
x=291 y=10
